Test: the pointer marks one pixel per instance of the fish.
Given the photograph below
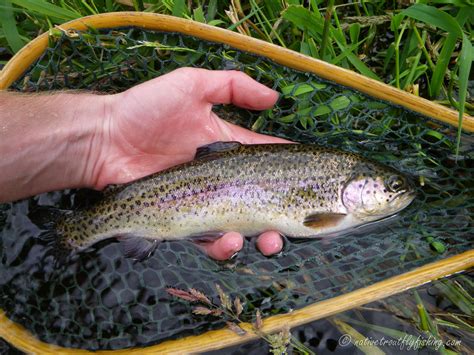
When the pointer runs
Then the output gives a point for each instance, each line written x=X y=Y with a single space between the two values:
x=300 y=190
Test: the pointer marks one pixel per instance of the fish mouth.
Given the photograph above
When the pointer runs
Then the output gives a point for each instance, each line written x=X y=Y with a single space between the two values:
x=404 y=199
x=408 y=195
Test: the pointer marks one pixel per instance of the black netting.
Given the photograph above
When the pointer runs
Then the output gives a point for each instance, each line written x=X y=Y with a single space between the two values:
x=105 y=301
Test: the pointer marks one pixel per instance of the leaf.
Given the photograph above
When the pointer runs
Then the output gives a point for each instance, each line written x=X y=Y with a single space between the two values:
x=258 y=320
x=458 y=3
x=236 y=329
x=10 y=29
x=179 y=8
x=392 y=333
x=340 y=103
x=238 y=306
x=202 y=311
x=47 y=9
x=313 y=23
x=300 y=89
x=304 y=20
x=396 y=22
x=258 y=124
x=199 y=14
x=224 y=298
x=465 y=62
x=354 y=31
x=211 y=10
x=216 y=312
x=359 y=340
x=356 y=62
x=433 y=16
x=216 y=22
x=199 y=295
x=442 y=64
x=454 y=292
x=446 y=22
x=181 y=294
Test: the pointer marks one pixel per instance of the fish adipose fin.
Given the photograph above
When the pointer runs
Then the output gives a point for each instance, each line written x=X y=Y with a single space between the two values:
x=137 y=248
x=210 y=151
x=320 y=220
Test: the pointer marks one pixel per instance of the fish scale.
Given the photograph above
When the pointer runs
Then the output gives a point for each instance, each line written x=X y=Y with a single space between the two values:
x=299 y=190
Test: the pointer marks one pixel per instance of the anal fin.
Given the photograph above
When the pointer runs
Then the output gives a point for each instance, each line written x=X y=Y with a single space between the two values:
x=137 y=248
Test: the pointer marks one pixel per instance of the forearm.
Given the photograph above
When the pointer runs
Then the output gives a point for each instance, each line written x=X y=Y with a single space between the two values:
x=48 y=142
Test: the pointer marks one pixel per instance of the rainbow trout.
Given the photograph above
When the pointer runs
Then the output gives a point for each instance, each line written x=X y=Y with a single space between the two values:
x=299 y=190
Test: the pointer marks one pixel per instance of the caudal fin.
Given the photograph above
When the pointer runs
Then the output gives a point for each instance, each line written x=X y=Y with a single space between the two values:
x=47 y=219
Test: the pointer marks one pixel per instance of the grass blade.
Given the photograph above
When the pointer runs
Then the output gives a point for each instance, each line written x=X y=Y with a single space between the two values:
x=138 y=5
x=465 y=62
x=304 y=20
x=327 y=23
x=45 y=8
x=211 y=10
x=443 y=20
x=10 y=30
x=442 y=64
x=433 y=16
x=179 y=8
x=363 y=343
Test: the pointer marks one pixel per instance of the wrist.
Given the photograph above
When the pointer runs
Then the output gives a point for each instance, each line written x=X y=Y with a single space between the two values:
x=50 y=142
x=87 y=139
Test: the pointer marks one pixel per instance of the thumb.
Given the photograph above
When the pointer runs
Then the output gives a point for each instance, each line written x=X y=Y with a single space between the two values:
x=232 y=132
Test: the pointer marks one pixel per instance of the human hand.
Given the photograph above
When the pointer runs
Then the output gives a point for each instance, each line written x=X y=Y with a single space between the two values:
x=160 y=123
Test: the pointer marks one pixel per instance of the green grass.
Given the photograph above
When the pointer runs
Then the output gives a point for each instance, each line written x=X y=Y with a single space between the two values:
x=414 y=316
x=424 y=48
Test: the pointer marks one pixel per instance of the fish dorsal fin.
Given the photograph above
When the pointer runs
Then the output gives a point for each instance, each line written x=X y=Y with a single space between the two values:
x=112 y=189
x=325 y=219
x=137 y=248
x=211 y=150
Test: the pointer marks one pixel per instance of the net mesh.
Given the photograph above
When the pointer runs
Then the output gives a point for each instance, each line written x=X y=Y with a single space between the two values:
x=102 y=300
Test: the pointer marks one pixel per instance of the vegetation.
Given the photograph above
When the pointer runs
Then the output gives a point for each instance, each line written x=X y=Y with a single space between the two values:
x=410 y=321
x=424 y=48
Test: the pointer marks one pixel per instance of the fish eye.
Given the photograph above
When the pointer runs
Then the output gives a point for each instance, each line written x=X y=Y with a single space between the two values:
x=394 y=184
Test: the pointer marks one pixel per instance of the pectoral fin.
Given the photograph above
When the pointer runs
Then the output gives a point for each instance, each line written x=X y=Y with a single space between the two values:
x=137 y=248
x=212 y=150
x=206 y=237
x=321 y=220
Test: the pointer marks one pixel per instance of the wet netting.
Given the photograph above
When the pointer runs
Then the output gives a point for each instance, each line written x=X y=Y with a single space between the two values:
x=102 y=300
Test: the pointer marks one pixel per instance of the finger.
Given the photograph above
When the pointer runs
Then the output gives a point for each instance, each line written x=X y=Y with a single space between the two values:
x=224 y=247
x=225 y=87
x=233 y=132
x=270 y=243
